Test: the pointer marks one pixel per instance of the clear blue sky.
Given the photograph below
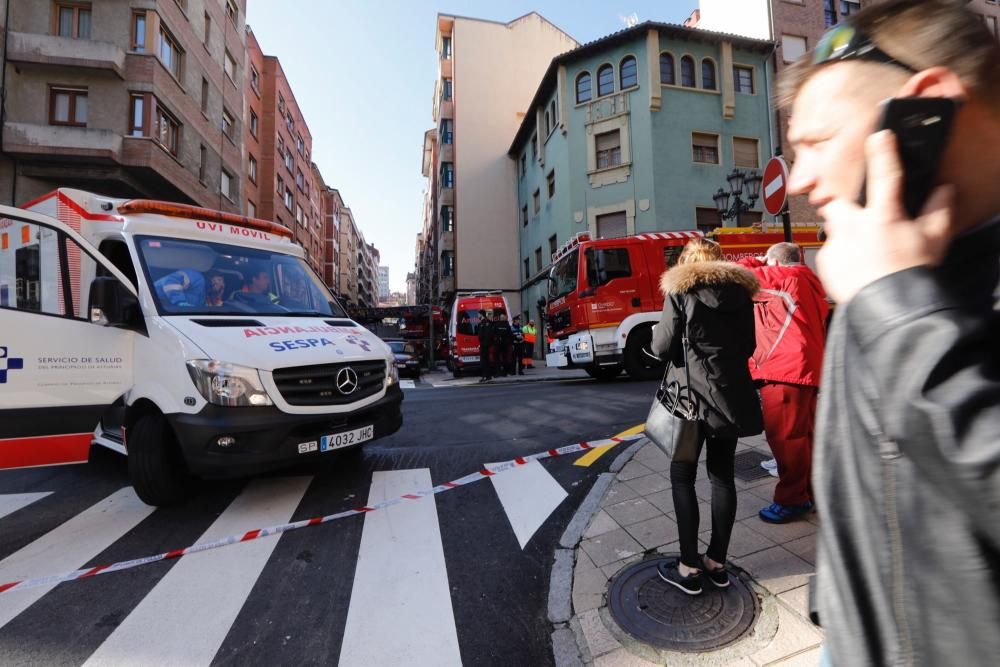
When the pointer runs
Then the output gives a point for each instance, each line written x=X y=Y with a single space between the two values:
x=363 y=73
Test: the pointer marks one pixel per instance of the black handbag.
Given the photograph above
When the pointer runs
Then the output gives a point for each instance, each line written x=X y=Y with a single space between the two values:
x=672 y=423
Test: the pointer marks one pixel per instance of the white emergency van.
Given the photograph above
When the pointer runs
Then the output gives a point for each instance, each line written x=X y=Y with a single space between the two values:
x=195 y=342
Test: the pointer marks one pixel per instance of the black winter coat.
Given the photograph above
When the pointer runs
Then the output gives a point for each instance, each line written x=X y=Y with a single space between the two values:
x=487 y=333
x=714 y=298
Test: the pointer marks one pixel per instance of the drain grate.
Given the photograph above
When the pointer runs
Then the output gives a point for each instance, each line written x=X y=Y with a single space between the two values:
x=748 y=465
x=656 y=613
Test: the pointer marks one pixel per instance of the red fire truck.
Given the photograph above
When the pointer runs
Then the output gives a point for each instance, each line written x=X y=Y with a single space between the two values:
x=414 y=328
x=604 y=295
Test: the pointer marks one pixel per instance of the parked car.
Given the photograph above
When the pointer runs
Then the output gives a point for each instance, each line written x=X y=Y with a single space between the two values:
x=407 y=358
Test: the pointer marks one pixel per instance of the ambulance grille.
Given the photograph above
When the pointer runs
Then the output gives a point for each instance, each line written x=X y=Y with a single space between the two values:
x=317 y=385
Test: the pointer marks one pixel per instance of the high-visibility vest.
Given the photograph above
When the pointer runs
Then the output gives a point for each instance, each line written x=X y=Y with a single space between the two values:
x=529 y=333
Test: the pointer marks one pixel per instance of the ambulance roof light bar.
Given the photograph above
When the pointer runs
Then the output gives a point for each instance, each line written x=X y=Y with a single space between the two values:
x=137 y=206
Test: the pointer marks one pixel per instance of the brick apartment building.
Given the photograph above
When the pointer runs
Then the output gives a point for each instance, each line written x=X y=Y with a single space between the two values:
x=332 y=203
x=279 y=168
x=138 y=99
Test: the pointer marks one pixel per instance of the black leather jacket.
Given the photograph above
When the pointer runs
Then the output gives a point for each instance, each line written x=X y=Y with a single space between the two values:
x=907 y=467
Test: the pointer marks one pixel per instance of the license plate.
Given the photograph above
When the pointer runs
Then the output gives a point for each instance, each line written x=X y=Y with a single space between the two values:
x=556 y=360
x=346 y=439
x=469 y=360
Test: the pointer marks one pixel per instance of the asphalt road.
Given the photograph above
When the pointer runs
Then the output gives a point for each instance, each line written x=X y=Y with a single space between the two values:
x=458 y=577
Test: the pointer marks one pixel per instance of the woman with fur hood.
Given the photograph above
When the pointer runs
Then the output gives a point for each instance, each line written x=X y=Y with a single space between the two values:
x=711 y=300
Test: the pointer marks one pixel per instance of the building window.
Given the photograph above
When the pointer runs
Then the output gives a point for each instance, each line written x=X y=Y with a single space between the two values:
x=170 y=53
x=605 y=80
x=447 y=175
x=524 y=164
x=447 y=219
x=743 y=79
x=252 y=169
x=446 y=48
x=447 y=264
x=524 y=215
x=281 y=186
x=612 y=226
x=253 y=123
x=552 y=245
x=446 y=89
x=536 y=202
x=208 y=30
x=202 y=163
x=667 y=69
x=255 y=79
x=281 y=105
x=300 y=144
x=745 y=153
x=534 y=147
x=446 y=134
x=68 y=106
x=73 y=20
x=552 y=112
x=137 y=120
x=538 y=259
x=300 y=180
x=551 y=181
x=705 y=147
x=583 y=87
x=168 y=129
x=226 y=185
x=204 y=96
x=847 y=7
x=829 y=13
x=251 y=209
x=628 y=73
x=609 y=149
x=288 y=199
x=708 y=74
x=792 y=48
x=687 y=72
x=229 y=66
x=548 y=123
x=232 y=11
x=139 y=32
x=289 y=160
x=527 y=269
x=706 y=219
x=298 y=214
x=280 y=143
x=228 y=123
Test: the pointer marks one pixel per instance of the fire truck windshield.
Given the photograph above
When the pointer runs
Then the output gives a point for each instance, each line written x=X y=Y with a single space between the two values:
x=562 y=276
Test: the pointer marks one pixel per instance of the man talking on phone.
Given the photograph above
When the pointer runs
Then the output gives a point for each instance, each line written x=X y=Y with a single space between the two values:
x=907 y=467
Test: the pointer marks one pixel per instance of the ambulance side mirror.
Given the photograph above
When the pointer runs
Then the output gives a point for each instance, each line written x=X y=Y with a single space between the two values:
x=111 y=304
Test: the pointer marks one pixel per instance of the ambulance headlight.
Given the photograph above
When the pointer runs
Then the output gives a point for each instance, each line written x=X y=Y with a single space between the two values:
x=393 y=376
x=228 y=384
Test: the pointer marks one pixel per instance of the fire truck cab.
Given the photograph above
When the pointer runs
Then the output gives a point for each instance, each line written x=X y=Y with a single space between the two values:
x=604 y=295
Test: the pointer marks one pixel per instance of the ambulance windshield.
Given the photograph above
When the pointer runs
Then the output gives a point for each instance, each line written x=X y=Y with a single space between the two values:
x=562 y=276
x=202 y=278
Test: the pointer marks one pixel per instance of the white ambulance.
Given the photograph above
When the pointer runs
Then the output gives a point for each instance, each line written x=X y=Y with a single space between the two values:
x=195 y=342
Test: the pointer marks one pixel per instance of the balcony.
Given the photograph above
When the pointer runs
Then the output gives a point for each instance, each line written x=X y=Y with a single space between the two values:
x=446 y=68
x=607 y=107
x=62 y=141
x=39 y=49
x=447 y=241
x=446 y=109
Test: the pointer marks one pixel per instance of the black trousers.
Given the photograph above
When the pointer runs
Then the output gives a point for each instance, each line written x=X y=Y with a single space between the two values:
x=720 y=462
x=486 y=361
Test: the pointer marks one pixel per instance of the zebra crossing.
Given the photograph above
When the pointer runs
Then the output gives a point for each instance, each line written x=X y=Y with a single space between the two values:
x=402 y=585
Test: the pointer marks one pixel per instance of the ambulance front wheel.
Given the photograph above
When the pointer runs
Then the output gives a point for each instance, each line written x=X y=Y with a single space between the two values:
x=155 y=466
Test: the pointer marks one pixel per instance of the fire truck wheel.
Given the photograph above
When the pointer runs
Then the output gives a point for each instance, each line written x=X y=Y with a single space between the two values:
x=155 y=467
x=604 y=373
x=638 y=361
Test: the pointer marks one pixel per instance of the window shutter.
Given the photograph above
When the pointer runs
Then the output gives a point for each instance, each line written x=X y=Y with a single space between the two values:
x=745 y=153
x=612 y=225
x=608 y=140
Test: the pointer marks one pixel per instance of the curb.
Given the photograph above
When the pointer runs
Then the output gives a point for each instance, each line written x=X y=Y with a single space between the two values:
x=567 y=649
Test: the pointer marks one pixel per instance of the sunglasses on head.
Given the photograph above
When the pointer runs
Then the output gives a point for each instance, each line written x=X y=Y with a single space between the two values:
x=845 y=42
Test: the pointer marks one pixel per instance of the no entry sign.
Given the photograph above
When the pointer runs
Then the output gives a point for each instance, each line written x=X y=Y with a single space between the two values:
x=775 y=185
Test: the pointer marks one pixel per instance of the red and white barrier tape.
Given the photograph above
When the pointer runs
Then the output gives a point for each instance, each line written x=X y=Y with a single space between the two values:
x=485 y=472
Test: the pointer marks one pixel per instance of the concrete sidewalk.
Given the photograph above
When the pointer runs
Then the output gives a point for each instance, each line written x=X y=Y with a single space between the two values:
x=442 y=377
x=635 y=520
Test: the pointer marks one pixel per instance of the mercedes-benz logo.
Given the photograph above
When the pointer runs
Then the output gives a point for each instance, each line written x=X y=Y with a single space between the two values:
x=347 y=381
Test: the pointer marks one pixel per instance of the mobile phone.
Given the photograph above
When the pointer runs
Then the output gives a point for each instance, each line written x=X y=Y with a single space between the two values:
x=922 y=126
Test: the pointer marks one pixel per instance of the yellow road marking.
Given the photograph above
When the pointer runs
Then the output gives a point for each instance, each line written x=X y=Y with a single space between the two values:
x=597 y=452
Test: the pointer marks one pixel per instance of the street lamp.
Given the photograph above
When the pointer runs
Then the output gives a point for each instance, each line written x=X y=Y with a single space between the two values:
x=740 y=183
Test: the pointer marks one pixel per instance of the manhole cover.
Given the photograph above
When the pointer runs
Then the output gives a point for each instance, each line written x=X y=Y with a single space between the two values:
x=655 y=612
x=747 y=465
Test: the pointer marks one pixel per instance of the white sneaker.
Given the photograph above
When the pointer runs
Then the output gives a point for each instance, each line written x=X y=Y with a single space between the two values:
x=771 y=466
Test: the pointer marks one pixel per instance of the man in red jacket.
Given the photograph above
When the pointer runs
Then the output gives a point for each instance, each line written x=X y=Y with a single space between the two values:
x=790 y=314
